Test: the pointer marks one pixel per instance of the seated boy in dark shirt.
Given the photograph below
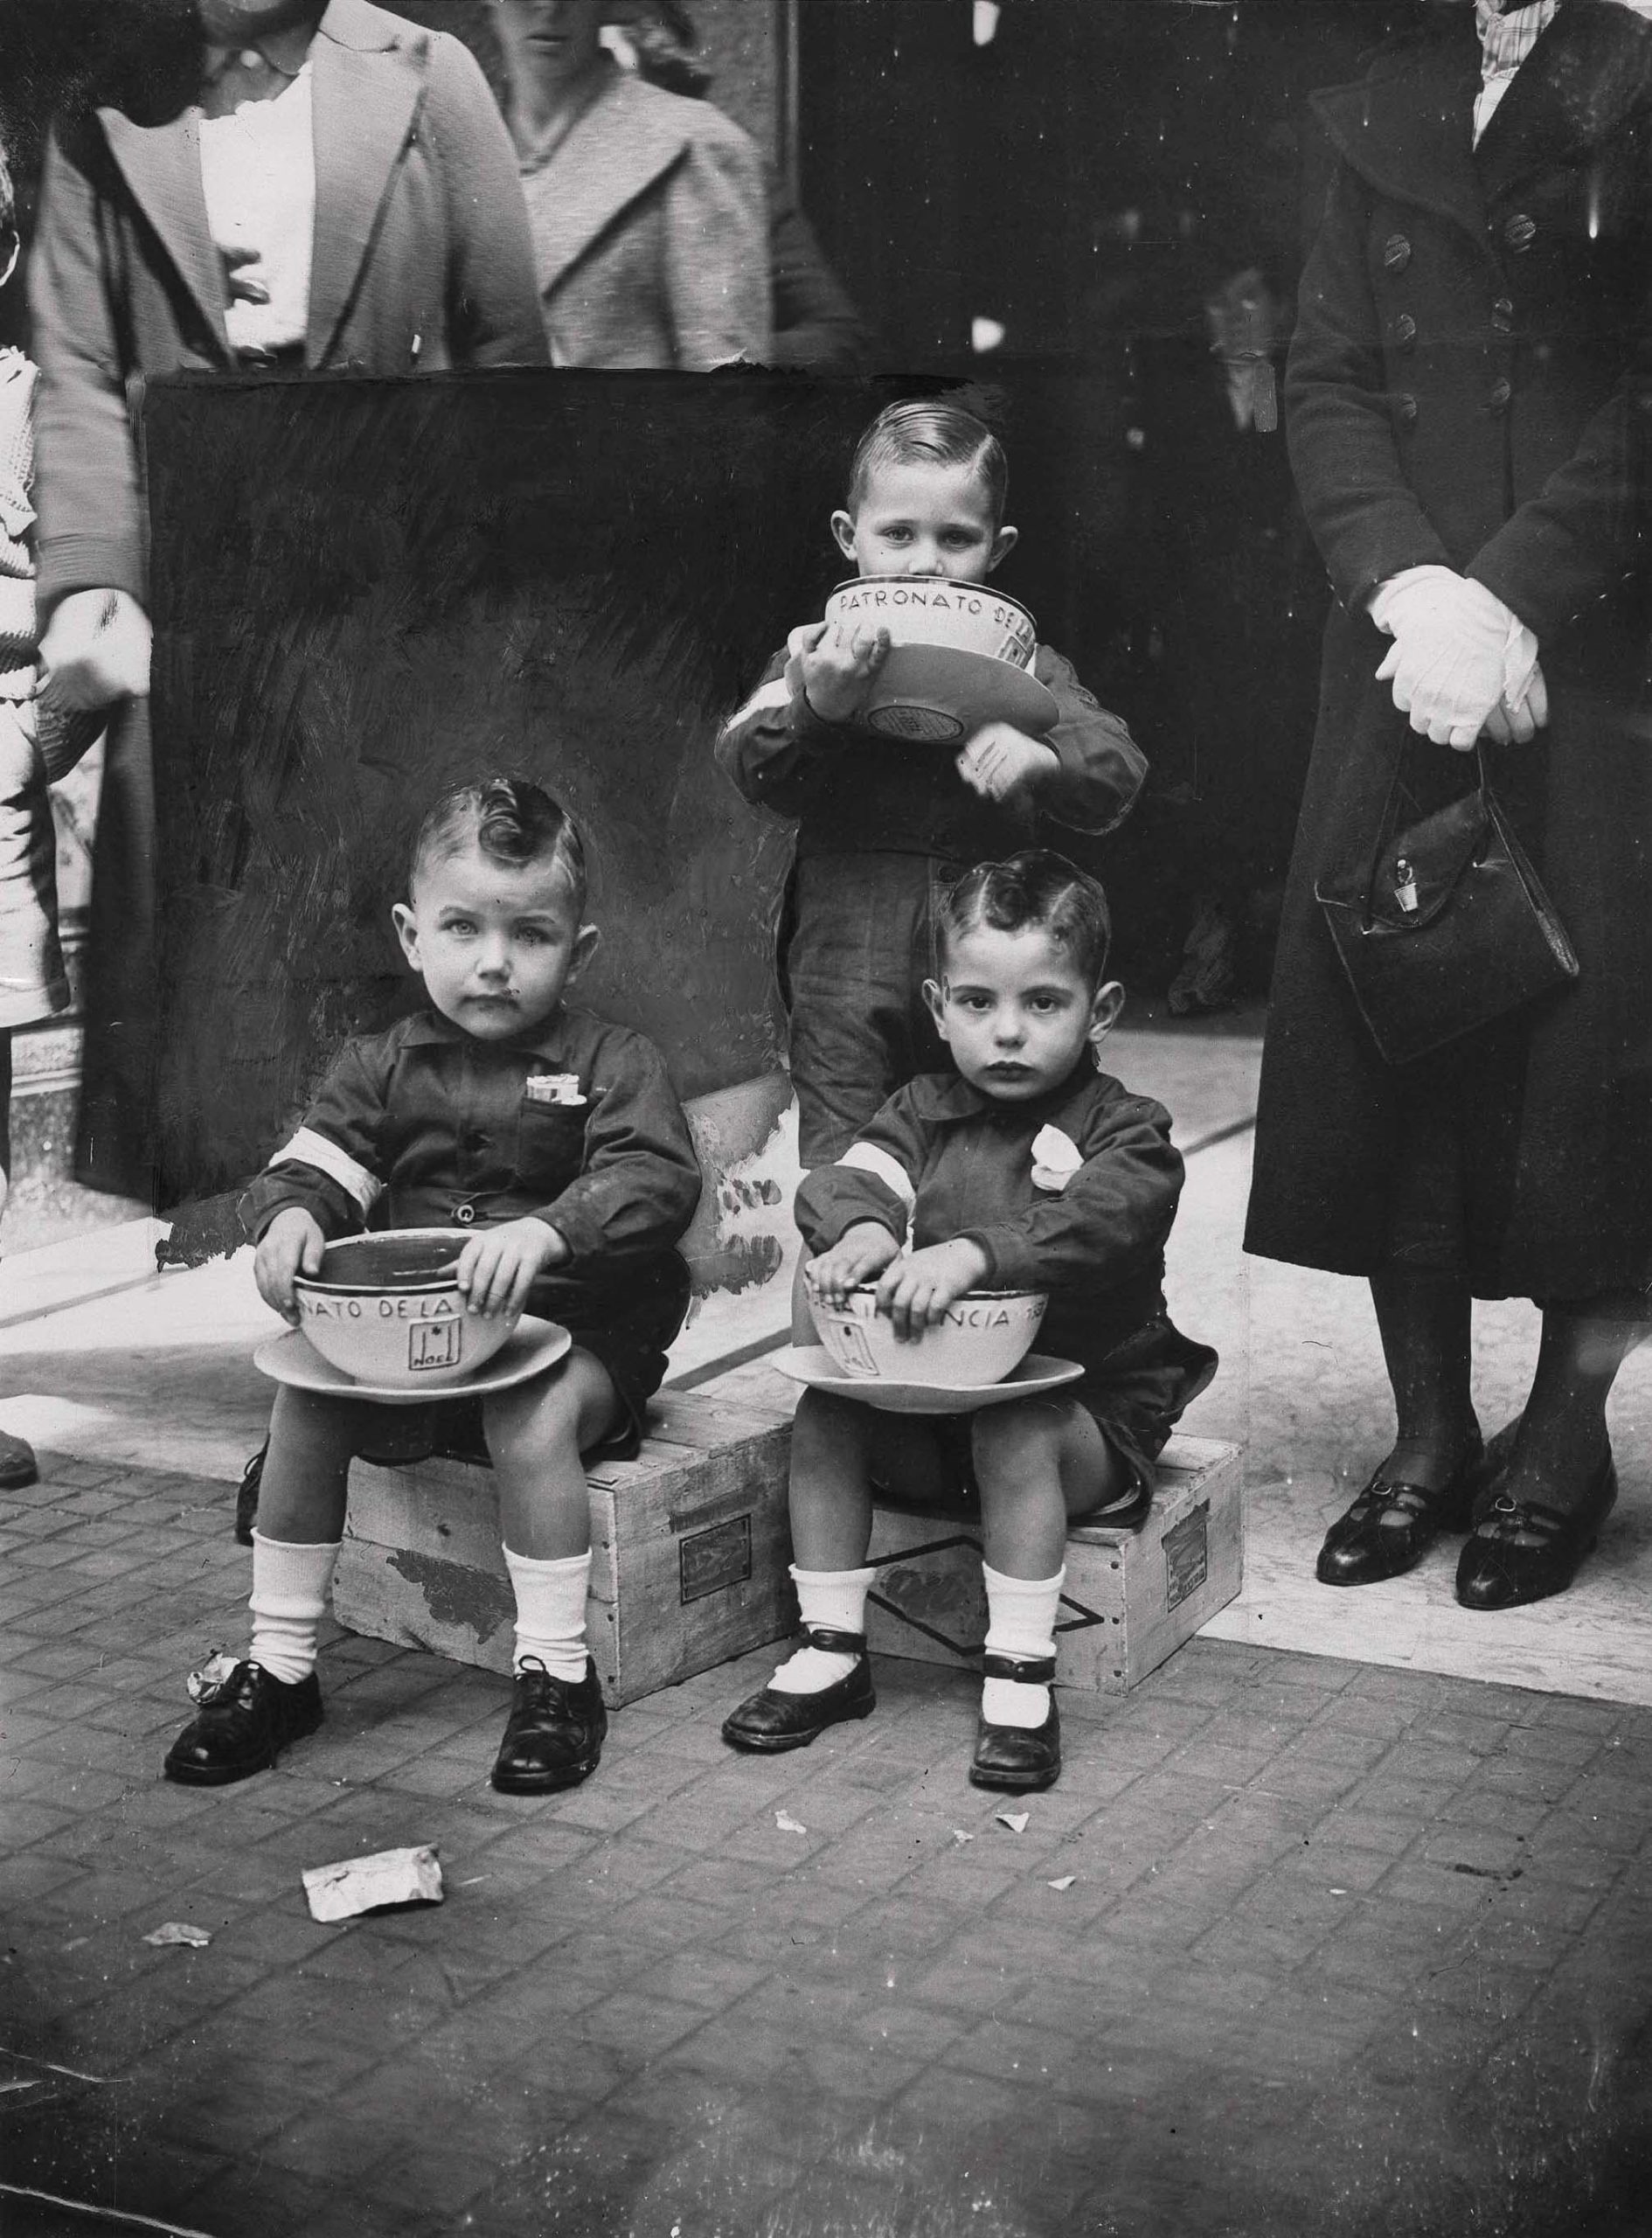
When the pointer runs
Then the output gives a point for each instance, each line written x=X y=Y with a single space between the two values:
x=1026 y=1169
x=554 y=1141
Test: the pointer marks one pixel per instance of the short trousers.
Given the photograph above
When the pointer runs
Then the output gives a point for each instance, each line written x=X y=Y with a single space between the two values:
x=1135 y=1397
x=631 y=1344
x=32 y=983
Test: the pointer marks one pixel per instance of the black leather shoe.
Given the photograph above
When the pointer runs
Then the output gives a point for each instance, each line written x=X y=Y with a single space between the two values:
x=1497 y=1571
x=16 y=1463
x=246 y=1495
x=245 y=1720
x=1015 y=1756
x=553 y=1736
x=1362 y=1548
x=773 y=1720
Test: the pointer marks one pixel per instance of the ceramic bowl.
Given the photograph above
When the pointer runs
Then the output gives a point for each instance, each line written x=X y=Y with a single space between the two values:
x=961 y=656
x=984 y=1335
x=386 y=1309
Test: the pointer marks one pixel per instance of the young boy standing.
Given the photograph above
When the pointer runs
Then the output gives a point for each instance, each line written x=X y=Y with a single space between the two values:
x=885 y=828
x=554 y=1141
x=1026 y=1169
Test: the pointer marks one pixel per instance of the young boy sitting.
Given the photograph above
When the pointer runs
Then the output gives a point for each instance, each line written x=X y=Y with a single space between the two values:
x=1026 y=1169
x=885 y=827
x=554 y=1140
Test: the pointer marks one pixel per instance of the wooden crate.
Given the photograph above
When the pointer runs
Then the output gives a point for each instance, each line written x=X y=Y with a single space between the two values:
x=689 y=1542
x=1131 y=1597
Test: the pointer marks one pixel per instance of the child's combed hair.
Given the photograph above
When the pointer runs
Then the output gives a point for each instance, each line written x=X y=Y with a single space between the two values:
x=1039 y=888
x=510 y=819
x=932 y=431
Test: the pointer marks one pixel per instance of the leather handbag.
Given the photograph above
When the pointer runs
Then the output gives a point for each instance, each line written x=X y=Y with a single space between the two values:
x=1445 y=927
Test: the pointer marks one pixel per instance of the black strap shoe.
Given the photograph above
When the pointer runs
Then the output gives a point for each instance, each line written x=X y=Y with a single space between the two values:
x=554 y=1734
x=1497 y=1571
x=773 y=1720
x=1016 y=1756
x=244 y=1720
x=1362 y=1547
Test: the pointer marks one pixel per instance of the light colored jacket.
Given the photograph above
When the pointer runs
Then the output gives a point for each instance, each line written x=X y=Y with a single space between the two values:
x=422 y=260
x=650 y=234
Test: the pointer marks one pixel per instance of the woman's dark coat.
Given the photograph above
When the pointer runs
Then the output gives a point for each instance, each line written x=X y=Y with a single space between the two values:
x=1470 y=385
x=422 y=261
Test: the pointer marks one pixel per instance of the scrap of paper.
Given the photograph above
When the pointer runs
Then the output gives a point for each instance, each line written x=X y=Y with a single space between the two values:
x=193 y=1938
x=1016 y=1820
x=364 y=1884
x=787 y=1824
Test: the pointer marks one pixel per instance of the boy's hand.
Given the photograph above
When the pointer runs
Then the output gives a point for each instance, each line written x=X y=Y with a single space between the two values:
x=997 y=758
x=292 y=1244
x=859 y=1252
x=497 y=1268
x=836 y=666
x=916 y=1294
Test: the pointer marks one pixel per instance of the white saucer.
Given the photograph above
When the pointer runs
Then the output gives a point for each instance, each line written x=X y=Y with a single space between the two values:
x=938 y=694
x=814 y=1365
x=532 y=1346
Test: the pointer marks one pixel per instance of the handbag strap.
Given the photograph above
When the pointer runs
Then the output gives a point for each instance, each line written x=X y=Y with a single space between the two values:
x=1389 y=826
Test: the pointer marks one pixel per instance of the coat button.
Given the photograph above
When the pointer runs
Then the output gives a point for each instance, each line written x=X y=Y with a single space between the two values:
x=1396 y=253
x=1405 y=331
x=1406 y=411
x=1520 y=233
x=1501 y=396
x=1503 y=315
x=464 y=1214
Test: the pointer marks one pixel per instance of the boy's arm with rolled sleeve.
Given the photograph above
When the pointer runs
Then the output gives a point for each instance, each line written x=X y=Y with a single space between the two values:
x=640 y=1180
x=875 y=1180
x=1099 y=767
x=1111 y=1219
x=771 y=747
x=331 y=1167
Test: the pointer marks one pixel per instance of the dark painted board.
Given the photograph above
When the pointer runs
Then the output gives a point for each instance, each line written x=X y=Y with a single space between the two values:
x=365 y=590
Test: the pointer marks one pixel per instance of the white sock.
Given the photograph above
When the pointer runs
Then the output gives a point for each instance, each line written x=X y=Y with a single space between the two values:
x=551 y=1612
x=1021 y=1613
x=288 y=1601
x=836 y=1599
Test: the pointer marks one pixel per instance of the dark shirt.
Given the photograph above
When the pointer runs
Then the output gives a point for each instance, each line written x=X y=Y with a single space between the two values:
x=855 y=792
x=941 y=1161
x=425 y=1126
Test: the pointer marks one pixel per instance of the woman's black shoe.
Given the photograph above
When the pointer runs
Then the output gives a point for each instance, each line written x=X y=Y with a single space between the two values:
x=554 y=1734
x=1015 y=1756
x=246 y=1719
x=1497 y=1571
x=773 y=1720
x=1362 y=1547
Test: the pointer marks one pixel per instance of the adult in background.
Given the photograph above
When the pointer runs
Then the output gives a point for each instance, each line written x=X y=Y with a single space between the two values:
x=312 y=184
x=649 y=211
x=1467 y=400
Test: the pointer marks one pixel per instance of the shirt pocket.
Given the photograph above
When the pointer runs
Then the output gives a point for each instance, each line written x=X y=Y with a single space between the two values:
x=550 y=1146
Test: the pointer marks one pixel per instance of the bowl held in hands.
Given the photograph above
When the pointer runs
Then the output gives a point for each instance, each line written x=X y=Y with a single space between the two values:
x=983 y=1336
x=961 y=656
x=387 y=1309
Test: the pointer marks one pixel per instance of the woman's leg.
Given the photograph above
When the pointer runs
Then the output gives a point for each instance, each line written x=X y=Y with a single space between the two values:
x=537 y=1434
x=1559 y=1485
x=1424 y=1321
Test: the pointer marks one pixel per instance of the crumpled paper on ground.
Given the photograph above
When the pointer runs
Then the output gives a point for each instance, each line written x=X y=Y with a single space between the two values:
x=364 y=1884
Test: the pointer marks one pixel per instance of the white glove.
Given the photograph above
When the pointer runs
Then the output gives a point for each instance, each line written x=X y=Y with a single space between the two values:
x=96 y=648
x=1459 y=655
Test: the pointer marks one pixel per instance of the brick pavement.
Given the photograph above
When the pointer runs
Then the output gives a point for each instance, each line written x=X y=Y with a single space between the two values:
x=1346 y=1950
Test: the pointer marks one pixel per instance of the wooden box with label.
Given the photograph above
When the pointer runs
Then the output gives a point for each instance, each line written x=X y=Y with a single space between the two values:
x=690 y=1546
x=1131 y=1597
